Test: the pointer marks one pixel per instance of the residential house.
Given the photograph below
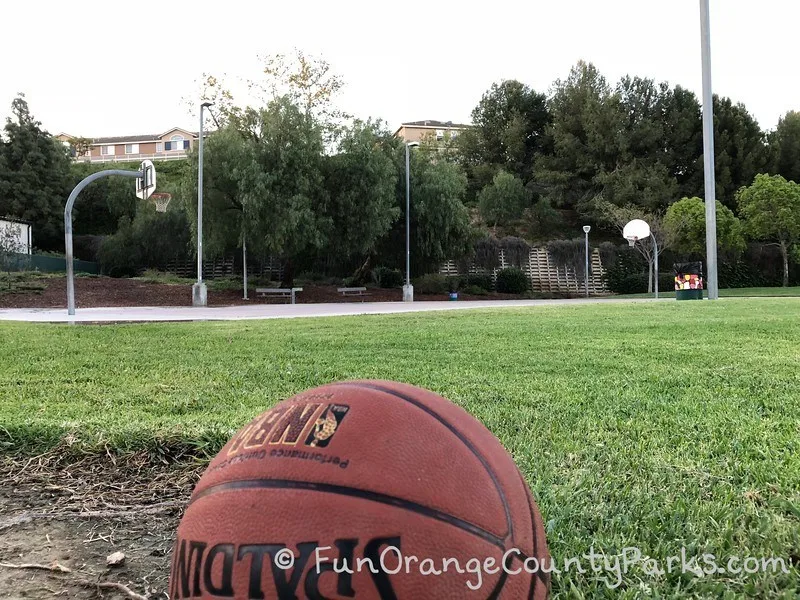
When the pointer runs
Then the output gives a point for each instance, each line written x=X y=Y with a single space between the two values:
x=172 y=144
x=430 y=131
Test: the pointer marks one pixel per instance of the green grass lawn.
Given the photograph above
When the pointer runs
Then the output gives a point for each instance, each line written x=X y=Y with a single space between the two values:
x=755 y=292
x=650 y=425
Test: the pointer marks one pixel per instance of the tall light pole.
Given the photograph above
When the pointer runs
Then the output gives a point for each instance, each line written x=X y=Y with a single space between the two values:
x=586 y=230
x=408 y=289
x=199 y=290
x=708 y=154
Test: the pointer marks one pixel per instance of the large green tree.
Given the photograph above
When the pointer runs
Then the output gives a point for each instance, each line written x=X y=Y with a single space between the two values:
x=440 y=223
x=785 y=144
x=740 y=150
x=509 y=131
x=34 y=176
x=685 y=224
x=360 y=181
x=504 y=200
x=770 y=208
x=584 y=137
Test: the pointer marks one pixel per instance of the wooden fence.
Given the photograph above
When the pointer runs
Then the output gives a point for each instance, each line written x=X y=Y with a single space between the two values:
x=545 y=275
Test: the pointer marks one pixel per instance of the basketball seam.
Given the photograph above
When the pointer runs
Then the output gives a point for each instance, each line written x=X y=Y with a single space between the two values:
x=458 y=434
x=463 y=439
x=352 y=492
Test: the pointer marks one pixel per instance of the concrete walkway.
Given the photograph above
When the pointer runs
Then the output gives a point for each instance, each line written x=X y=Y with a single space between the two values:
x=269 y=311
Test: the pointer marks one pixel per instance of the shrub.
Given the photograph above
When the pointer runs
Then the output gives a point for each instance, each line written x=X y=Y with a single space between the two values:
x=387 y=278
x=517 y=251
x=475 y=290
x=432 y=283
x=569 y=254
x=479 y=280
x=741 y=275
x=512 y=281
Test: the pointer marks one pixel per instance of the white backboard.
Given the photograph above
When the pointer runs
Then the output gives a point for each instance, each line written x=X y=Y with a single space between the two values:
x=145 y=187
x=636 y=230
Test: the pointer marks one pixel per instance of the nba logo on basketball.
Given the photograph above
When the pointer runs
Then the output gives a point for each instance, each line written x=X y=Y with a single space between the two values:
x=313 y=423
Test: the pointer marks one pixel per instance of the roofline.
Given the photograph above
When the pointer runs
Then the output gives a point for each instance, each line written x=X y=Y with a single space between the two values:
x=408 y=125
x=177 y=129
x=453 y=126
x=15 y=220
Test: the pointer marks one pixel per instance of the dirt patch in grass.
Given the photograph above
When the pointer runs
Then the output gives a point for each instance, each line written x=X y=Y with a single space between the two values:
x=91 y=292
x=66 y=514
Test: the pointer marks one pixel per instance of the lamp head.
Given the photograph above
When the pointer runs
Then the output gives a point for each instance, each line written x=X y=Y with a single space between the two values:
x=206 y=104
x=587 y=228
x=412 y=144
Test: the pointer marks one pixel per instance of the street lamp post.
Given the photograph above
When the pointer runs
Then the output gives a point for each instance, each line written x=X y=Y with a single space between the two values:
x=708 y=154
x=199 y=290
x=586 y=230
x=408 y=289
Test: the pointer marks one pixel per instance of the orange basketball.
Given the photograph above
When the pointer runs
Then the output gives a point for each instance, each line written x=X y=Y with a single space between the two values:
x=366 y=490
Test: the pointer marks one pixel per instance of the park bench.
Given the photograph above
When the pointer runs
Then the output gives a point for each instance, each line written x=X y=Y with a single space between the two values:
x=278 y=292
x=353 y=291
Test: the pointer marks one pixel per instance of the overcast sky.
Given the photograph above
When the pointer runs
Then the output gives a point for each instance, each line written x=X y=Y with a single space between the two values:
x=108 y=68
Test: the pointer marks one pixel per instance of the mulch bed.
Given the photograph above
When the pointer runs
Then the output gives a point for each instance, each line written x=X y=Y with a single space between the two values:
x=93 y=292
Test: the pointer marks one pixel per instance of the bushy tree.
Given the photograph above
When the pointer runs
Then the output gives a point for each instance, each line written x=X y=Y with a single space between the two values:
x=509 y=131
x=440 y=224
x=685 y=225
x=770 y=208
x=504 y=200
x=739 y=148
x=34 y=176
x=360 y=181
x=618 y=216
x=786 y=147
x=585 y=122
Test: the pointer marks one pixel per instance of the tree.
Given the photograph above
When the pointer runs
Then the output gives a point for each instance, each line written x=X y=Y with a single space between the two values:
x=739 y=147
x=79 y=146
x=683 y=140
x=509 y=130
x=770 y=208
x=504 y=200
x=584 y=138
x=786 y=147
x=226 y=155
x=440 y=224
x=281 y=184
x=685 y=224
x=305 y=81
x=361 y=180
x=10 y=247
x=34 y=176
x=619 y=216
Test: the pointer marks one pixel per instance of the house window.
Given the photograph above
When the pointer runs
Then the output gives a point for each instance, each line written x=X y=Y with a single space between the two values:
x=159 y=146
x=131 y=148
x=176 y=143
x=453 y=135
x=107 y=150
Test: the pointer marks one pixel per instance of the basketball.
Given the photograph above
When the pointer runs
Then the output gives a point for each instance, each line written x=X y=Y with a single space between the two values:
x=366 y=490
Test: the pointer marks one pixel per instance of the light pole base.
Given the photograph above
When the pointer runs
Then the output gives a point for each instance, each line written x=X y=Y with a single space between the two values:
x=199 y=294
x=408 y=293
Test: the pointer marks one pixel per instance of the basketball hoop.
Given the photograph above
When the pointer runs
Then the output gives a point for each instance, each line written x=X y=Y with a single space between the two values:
x=636 y=230
x=161 y=201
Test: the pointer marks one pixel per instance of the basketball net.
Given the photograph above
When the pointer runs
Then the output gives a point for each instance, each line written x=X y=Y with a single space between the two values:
x=161 y=201
x=632 y=241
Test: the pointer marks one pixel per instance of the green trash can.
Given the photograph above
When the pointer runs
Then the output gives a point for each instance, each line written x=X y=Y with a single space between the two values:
x=688 y=281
